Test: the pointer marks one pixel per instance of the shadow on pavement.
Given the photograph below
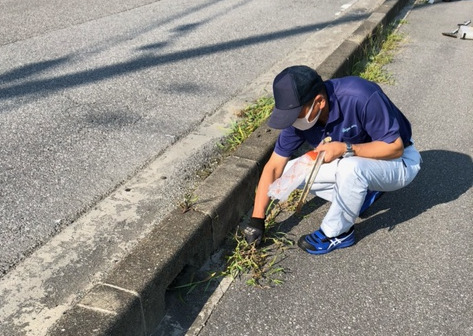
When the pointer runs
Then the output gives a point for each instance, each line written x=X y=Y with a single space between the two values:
x=82 y=77
x=444 y=177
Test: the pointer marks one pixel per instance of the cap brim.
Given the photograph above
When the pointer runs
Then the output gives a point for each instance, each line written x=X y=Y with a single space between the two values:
x=281 y=119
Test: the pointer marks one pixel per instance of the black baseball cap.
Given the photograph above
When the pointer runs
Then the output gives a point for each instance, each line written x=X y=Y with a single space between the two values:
x=292 y=89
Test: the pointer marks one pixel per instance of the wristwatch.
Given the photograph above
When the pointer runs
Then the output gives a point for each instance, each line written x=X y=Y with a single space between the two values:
x=349 y=152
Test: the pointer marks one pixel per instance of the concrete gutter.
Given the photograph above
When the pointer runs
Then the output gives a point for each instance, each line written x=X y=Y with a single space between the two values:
x=131 y=299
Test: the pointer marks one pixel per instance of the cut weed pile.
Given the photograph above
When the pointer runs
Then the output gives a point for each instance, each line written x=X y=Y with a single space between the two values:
x=260 y=265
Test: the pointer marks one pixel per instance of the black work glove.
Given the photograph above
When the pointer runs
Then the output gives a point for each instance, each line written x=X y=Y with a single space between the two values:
x=254 y=231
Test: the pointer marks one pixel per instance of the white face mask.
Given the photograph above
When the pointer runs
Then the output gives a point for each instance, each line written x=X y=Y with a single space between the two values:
x=304 y=123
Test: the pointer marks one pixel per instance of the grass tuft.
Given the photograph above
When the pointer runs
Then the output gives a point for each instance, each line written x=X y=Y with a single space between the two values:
x=380 y=52
x=251 y=118
x=188 y=202
x=260 y=265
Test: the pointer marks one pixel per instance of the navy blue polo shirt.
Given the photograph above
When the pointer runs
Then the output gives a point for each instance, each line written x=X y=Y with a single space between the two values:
x=359 y=112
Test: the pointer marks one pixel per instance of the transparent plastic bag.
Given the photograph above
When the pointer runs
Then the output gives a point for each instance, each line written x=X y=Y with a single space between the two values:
x=292 y=177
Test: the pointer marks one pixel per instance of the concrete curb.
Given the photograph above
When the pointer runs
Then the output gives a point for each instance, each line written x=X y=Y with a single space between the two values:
x=131 y=300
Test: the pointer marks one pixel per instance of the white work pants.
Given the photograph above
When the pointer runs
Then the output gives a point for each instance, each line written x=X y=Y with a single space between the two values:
x=345 y=182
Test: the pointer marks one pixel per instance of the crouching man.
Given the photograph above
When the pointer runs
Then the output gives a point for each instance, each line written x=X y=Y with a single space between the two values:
x=371 y=151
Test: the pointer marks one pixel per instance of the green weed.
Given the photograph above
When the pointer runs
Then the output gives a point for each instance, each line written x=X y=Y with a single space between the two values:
x=251 y=118
x=188 y=202
x=380 y=52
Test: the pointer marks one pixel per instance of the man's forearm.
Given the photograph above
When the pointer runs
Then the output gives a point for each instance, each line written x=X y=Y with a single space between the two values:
x=272 y=171
x=261 y=197
x=373 y=150
x=379 y=150
x=254 y=232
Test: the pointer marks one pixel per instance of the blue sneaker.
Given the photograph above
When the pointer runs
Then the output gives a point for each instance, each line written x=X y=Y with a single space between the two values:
x=371 y=197
x=318 y=243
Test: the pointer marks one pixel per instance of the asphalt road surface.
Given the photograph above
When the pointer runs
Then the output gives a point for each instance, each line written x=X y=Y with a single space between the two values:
x=90 y=93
